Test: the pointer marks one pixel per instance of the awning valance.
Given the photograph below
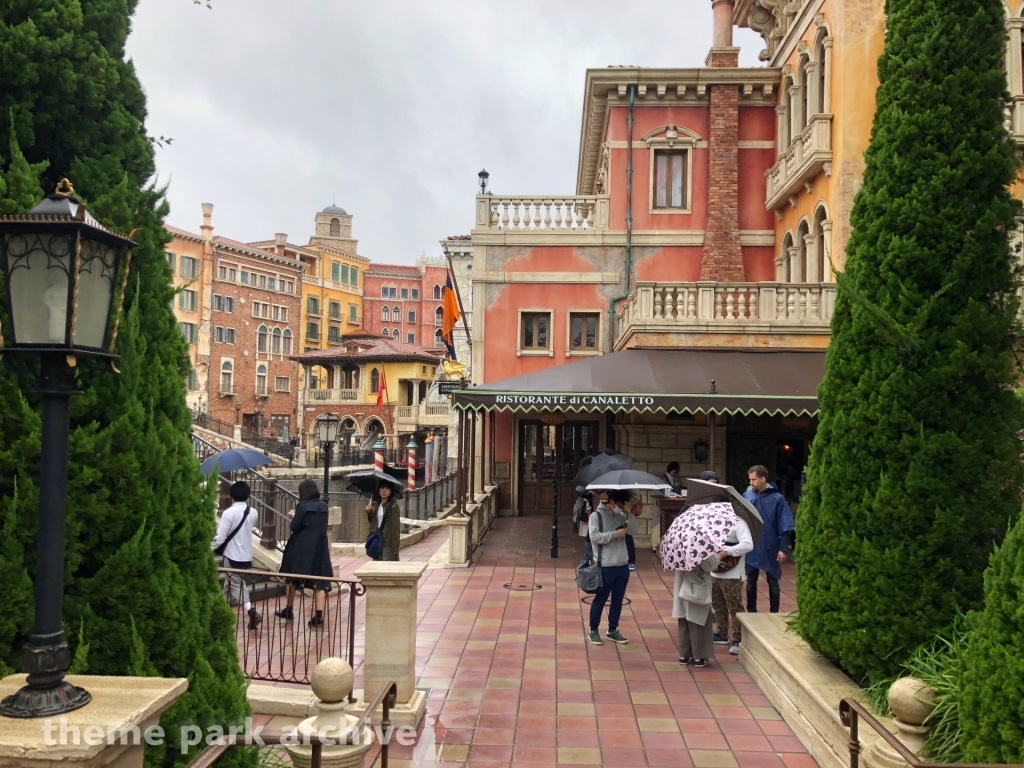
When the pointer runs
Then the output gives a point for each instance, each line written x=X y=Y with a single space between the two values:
x=746 y=382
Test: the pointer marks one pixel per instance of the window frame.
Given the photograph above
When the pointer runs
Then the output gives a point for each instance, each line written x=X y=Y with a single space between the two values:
x=230 y=363
x=373 y=381
x=687 y=155
x=570 y=350
x=549 y=350
x=287 y=383
x=264 y=375
x=410 y=337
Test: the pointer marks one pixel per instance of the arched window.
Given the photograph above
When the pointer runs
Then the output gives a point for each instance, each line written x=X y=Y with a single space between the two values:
x=395 y=334
x=383 y=291
x=386 y=332
x=804 y=105
x=411 y=338
x=438 y=338
x=335 y=228
x=437 y=293
x=412 y=315
x=226 y=377
x=798 y=270
x=439 y=316
x=275 y=342
x=374 y=381
x=782 y=262
x=385 y=314
x=287 y=342
x=819 y=55
x=261 y=339
x=405 y=293
x=824 y=267
x=261 y=379
x=396 y=314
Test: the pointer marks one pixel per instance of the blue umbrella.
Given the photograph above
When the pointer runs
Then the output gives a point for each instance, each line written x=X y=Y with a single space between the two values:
x=234 y=458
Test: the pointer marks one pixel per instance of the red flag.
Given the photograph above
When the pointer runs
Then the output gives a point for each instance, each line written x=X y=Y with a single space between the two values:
x=382 y=388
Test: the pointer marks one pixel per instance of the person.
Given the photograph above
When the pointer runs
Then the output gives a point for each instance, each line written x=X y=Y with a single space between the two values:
x=308 y=552
x=773 y=545
x=691 y=607
x=727 y=586
x=382 y=506
x=710 y=477
x=634 y=508
x=608 y=534
x=235 y=528
x=580 y=517
x=672 y=477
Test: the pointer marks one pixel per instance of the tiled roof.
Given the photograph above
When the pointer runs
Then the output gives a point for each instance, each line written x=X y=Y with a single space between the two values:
x=375 y=348
x=393 y=270
x=183 y=233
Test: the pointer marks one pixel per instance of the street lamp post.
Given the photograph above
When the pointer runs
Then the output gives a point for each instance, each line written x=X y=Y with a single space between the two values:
x=327 y=432
x=483 y=176
x=60 y=269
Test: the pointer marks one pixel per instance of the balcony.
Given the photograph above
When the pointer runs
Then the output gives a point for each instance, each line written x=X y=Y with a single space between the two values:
x=662 y=309
x=332 y=396
x=409 y=417
x=808 y=155
x=541 y=216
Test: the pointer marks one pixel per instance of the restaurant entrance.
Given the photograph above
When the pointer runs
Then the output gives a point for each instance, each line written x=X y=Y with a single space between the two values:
x=549 y=457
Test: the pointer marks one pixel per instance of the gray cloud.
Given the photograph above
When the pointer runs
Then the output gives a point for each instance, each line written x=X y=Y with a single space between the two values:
x=391 y=107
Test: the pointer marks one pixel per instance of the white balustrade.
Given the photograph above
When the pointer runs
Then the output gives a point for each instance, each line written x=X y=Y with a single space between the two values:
x=332 y=395
x=405 y=412
x=728 y=306
x=538 y=213
x=810 y=153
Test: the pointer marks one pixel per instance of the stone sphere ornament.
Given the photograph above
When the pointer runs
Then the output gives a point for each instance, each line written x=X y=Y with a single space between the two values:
x=332 y=680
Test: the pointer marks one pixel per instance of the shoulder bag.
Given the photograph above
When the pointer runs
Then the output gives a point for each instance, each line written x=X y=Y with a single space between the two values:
x=588 y=577
x=219 y=551
x=375 y=541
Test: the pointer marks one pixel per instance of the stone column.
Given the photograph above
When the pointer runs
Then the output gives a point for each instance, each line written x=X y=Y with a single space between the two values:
x=810 y=274
x=782 y=129
x=827 y=101
x=826 y=244
x=117 y=703
x=390 y=655
x=458 y=542
x=794 y=111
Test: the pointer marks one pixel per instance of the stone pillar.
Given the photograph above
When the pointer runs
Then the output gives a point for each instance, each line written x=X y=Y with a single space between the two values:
x=117 y=703
x=827 y=101
x=782 y=129
x=390 y=655
x=458 y=542
x=332 y=683
x=826 y=244
x=794 y=111
x=810 y=265
x=911 y=702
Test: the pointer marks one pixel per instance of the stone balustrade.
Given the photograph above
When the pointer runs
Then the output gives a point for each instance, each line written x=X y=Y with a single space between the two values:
x=542 y=213
x=332 y=396
x=423 y=415
x=727 y=307
x=807 y=155
x=467 y=531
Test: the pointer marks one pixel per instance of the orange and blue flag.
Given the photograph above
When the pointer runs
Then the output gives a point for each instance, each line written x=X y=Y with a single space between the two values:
x=449 y=317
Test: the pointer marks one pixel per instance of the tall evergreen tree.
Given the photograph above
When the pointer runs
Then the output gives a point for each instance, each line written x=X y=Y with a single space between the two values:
x=140 y=584
x=915 y=467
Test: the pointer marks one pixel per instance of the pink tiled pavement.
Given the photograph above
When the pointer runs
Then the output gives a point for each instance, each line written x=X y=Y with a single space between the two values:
x=513 y=681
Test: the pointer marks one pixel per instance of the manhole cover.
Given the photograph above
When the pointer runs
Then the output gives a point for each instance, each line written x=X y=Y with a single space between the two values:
x=590 y=598
x=523 y=587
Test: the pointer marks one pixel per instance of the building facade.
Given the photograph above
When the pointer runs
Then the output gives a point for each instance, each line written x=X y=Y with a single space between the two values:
x=405 y=302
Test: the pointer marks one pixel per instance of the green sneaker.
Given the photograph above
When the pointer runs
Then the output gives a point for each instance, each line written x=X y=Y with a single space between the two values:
x=616 y=637
x=595 y=638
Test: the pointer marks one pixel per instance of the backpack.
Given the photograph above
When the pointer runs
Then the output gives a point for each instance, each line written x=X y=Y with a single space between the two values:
x=375 y=541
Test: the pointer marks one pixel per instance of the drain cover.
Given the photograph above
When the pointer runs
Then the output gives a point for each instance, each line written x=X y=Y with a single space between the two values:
x=523 y=587
x=590 y=598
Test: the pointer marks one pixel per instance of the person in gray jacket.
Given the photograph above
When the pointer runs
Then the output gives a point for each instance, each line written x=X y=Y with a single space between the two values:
x=691 y=605
x=608 y=535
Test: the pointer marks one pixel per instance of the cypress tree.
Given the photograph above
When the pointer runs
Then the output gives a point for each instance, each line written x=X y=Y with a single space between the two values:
x=141 y=592
x=915 y=467
x=992 y=701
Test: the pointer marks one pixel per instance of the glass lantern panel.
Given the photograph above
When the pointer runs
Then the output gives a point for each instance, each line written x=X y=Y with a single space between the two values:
x=95 y=287
x=39 y=267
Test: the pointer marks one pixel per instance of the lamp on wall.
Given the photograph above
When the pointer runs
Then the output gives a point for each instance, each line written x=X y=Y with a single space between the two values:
x=483 y=176
x=700 y=450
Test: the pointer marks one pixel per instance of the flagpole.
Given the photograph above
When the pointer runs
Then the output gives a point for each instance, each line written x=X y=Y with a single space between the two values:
x=462 y=310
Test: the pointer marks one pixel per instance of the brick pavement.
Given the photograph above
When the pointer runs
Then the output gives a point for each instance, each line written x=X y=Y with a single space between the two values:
x=514 y=682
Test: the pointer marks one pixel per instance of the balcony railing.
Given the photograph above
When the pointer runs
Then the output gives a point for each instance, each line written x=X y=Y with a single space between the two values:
x=542 y=213
x=806 y=156
x=332 y=395
x=727 y=307
x=427 y=415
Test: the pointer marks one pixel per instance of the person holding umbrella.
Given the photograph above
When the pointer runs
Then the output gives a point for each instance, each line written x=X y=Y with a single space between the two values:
x=308 y=552
x=384 y=516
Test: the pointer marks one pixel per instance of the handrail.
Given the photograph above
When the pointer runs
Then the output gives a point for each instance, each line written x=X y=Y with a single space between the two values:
x=386 y=696
x=849 y=713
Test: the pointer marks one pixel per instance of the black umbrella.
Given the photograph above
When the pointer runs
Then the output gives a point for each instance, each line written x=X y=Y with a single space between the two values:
x=592 y=467
x=702 y=492
x=369 y=481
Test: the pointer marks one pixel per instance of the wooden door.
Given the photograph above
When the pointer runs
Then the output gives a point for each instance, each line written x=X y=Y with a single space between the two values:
x=549 y=457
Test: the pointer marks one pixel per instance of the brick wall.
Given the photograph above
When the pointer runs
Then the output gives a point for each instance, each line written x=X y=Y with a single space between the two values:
x=722 y=258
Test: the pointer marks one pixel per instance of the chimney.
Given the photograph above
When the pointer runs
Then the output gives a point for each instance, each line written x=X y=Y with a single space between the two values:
x=722 y=257
x=207 y=227
x=280 y=240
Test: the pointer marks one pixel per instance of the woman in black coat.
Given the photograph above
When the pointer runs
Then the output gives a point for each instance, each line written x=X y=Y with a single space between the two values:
x=308 y=551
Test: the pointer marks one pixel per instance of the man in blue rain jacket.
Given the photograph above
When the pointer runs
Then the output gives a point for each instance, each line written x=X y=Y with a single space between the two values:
x=772 y=547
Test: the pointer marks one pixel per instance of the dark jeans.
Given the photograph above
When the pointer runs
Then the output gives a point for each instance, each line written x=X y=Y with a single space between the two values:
x=631 y=549
x=614 y=582
x=773 y=591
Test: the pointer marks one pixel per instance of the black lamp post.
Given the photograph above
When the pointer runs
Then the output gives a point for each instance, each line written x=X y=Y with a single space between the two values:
x=60 y=268
x=483 y=176
x=327 y=432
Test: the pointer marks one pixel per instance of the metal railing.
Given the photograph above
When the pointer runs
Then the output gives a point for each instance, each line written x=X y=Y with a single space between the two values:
x=385 y=698
x=265 y=444
x=428 y=501
x=206 y=421
x=852 y=712
x=286 y=650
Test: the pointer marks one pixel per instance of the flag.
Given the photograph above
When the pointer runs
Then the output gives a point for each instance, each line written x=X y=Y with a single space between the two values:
x=450 y=316
x=382 y=388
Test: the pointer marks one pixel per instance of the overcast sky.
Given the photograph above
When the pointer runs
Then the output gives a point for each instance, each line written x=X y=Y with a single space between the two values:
x=389 y=107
